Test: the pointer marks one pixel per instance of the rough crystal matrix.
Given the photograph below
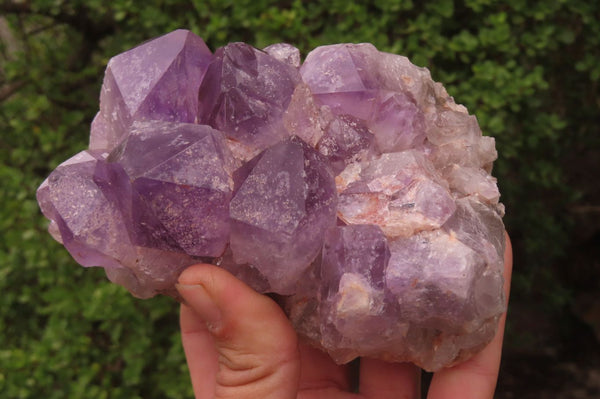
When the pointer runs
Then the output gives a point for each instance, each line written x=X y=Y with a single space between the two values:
x=350 y=184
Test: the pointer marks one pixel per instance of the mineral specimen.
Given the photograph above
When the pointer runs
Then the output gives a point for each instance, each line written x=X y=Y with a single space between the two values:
x=351 y=185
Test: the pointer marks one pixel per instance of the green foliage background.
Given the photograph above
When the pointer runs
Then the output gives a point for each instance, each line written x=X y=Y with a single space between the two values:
x=528 y=70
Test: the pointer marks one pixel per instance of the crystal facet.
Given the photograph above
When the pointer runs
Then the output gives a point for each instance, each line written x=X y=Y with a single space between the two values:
x=158 y=80
x=351 y=185
x=281 y=239
x=245 y=93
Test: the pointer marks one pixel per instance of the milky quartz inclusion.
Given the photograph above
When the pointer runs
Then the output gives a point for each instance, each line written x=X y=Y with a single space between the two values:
x=351 y=185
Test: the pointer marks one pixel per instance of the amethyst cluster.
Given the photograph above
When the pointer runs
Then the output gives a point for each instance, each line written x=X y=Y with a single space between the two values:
x=351 y=185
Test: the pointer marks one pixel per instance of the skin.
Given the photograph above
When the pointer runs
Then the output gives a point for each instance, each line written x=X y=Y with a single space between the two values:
x=239 y=344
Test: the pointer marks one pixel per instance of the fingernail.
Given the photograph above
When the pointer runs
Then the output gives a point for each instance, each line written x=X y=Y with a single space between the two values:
x=197 y=298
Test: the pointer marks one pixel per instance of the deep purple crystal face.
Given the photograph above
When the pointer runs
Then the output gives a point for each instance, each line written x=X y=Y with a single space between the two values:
x=181 y=182
x=351 y=185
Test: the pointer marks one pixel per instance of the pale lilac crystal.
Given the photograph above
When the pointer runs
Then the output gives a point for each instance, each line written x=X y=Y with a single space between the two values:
x=345 y=140
x=94 y=229
x=429 y=291
x=397 y=123
x=245 y=93
x=479 y=227
x=351 y=79
x=284 y=52
x=304 y=117
x=352 y=270
x=157 y=80
x=351 y=185
x=347 y=249
x=473 y=181
x=339 y=68
x=340 y=80
x=281 y=211
x=455 y=293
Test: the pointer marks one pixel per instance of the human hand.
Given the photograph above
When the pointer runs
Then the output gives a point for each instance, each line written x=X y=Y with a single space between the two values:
x=239 y=344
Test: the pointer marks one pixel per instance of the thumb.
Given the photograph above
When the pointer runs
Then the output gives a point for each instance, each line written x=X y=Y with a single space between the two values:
x=255 y=344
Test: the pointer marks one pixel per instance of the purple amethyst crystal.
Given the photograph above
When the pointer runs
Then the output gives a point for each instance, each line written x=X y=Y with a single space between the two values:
x=181 y=182
x=245 y=93
x=352 y=305
x=158 y=80
x=285 y=53
x=281 y=211
x=94 y=228
x=345 y=140
x=352 y=185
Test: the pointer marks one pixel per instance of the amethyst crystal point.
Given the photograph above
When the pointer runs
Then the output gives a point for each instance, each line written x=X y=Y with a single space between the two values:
x=245 y=93
x=456 y=293
x=181 y=178
x=436 y=289
x=285 y=53
x=480 y=227
x=340 y=80
x=351 y=185
x=339 y=68
x=93 y=227
x=157 y=80
x=281 y=211
x=86 y=222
